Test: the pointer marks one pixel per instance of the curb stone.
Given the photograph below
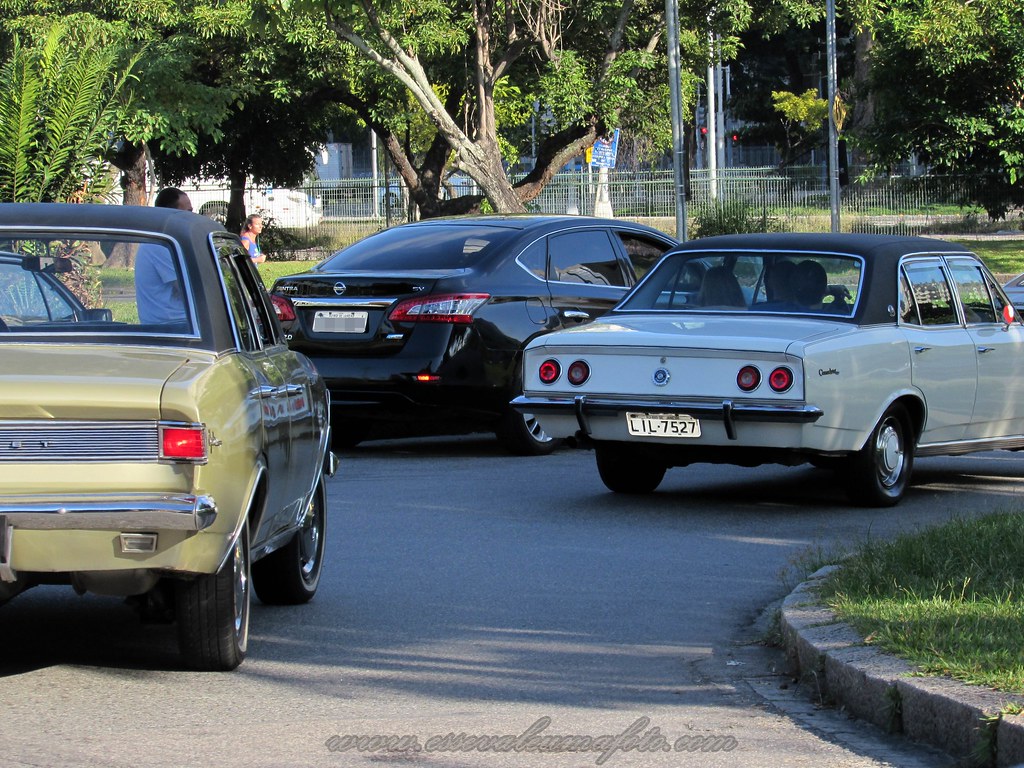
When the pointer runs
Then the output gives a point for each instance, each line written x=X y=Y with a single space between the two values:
x=960 y=719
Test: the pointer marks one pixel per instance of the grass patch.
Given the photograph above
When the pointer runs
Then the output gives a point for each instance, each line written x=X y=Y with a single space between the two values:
x=1003 y=257
x=271 y=270
x=948 y=600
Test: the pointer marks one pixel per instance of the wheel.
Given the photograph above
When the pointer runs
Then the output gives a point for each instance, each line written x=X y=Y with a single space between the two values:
x=290 y=575
x=217 y=210
x=878 y=474
x=522 y=435
x=213 y=612
x=622 y=472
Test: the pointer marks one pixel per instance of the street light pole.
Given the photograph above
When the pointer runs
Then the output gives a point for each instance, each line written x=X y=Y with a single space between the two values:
x=679 y=163
x=833 y=134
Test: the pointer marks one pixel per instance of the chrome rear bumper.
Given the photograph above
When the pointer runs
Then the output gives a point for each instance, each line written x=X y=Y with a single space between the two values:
x=128 y=512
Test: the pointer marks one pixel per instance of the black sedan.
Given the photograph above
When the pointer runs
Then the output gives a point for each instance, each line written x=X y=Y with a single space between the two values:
x=426 y=322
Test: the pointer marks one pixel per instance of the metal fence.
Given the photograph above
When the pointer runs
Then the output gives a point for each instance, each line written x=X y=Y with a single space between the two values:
x=743 y=199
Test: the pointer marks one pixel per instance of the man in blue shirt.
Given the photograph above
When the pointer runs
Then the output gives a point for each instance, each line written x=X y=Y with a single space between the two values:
x=158 y=290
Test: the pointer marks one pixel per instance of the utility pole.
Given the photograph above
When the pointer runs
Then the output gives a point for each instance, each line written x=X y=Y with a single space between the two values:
x=833 y=133
x=679 y=162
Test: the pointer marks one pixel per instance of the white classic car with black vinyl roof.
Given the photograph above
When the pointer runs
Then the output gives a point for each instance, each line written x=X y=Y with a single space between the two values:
x=852 y=352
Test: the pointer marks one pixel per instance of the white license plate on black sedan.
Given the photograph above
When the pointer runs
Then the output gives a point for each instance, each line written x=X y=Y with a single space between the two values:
x=662 y=425
x=339 y=321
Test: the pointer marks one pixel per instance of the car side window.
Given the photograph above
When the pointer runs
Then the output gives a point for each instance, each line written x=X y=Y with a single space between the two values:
x=57 y=306
x=241 y=312
x=20 y=296
x=642 y=251
x=931 y=292
x=584 y=256
x=534 y=258
x=253 y=318
x=975 y=296
x=908 y=307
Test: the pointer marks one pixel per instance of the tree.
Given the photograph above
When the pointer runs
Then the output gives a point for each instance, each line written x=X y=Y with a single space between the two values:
x=63 y=102
x=964 y=111
x=802 y=117
x=454 y=58
x=281 y=70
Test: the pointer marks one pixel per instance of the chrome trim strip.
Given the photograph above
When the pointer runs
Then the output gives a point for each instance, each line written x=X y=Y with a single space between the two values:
x=326 y=301
x=132 y=512
x=955 y=447
x=726 y=410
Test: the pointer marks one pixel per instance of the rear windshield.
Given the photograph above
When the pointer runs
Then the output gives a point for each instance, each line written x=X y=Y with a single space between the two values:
x=433 y=247
x=65 y=285
x=736 y=281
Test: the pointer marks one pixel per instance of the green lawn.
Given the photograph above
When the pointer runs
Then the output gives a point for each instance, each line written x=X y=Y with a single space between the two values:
x=1003 y=257
x=948 y=599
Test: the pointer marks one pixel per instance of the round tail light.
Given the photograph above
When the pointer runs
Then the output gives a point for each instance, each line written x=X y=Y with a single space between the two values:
x=748 y=379
x=781 y=379
x=578 y=373
x=549 y=371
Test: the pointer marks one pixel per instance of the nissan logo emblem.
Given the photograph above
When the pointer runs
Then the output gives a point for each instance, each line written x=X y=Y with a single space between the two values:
x=661 y=377
x=339 y=288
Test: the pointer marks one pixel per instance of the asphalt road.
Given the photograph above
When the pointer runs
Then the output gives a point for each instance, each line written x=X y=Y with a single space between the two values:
x=483 y=610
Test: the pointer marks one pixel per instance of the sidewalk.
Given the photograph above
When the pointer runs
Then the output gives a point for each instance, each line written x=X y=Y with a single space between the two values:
x=964 y=721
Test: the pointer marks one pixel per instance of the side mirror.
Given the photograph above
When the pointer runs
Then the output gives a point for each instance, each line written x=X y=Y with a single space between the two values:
x=1009 y=316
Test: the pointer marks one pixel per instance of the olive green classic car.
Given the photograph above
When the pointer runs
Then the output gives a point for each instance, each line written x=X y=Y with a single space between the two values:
x=158 y=439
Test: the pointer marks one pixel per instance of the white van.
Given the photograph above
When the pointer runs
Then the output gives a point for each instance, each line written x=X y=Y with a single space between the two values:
x=287 y=207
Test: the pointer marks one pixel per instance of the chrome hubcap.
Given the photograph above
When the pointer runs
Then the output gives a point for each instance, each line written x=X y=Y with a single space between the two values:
x=309 y=543
x=889 y=454
x=534 y=428
x=241 y=567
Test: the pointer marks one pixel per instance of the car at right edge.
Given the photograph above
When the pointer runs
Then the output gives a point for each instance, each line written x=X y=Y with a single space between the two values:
x=855 y=353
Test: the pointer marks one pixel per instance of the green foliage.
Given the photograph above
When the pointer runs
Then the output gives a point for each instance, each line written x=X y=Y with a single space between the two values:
x=731 y=217
x=806 y=108
x=62 y=103
x=964 y=112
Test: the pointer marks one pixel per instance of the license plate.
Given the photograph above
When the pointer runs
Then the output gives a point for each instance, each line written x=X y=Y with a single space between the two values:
x=339 y=321
x=662 y=425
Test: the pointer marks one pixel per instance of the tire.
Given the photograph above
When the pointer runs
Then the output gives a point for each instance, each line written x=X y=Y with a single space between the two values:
x=291 y=574
x=522 y=435
x=622 y=472
x=213 y=612
x=879 y=473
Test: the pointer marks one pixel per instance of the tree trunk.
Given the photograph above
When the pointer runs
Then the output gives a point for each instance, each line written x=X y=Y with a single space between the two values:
x=236 y=203
x=131 y=160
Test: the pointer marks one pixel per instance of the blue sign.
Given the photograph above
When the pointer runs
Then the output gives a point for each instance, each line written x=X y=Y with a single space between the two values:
x=604 y=150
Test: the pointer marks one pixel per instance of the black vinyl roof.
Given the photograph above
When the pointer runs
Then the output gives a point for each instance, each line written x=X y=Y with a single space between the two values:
x=881 y=255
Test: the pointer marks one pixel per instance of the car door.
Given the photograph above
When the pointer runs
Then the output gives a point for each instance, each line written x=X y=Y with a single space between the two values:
x=280 y=389
x=999 y=348
x=942 y=356
x=585 y=275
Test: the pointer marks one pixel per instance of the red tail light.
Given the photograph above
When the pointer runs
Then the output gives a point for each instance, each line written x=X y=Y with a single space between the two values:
x=549 y=371
x=183 y=443
x=748 y=379
x=442 y=308
x=578 y=373
x=283 y=307
x=781 y=379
